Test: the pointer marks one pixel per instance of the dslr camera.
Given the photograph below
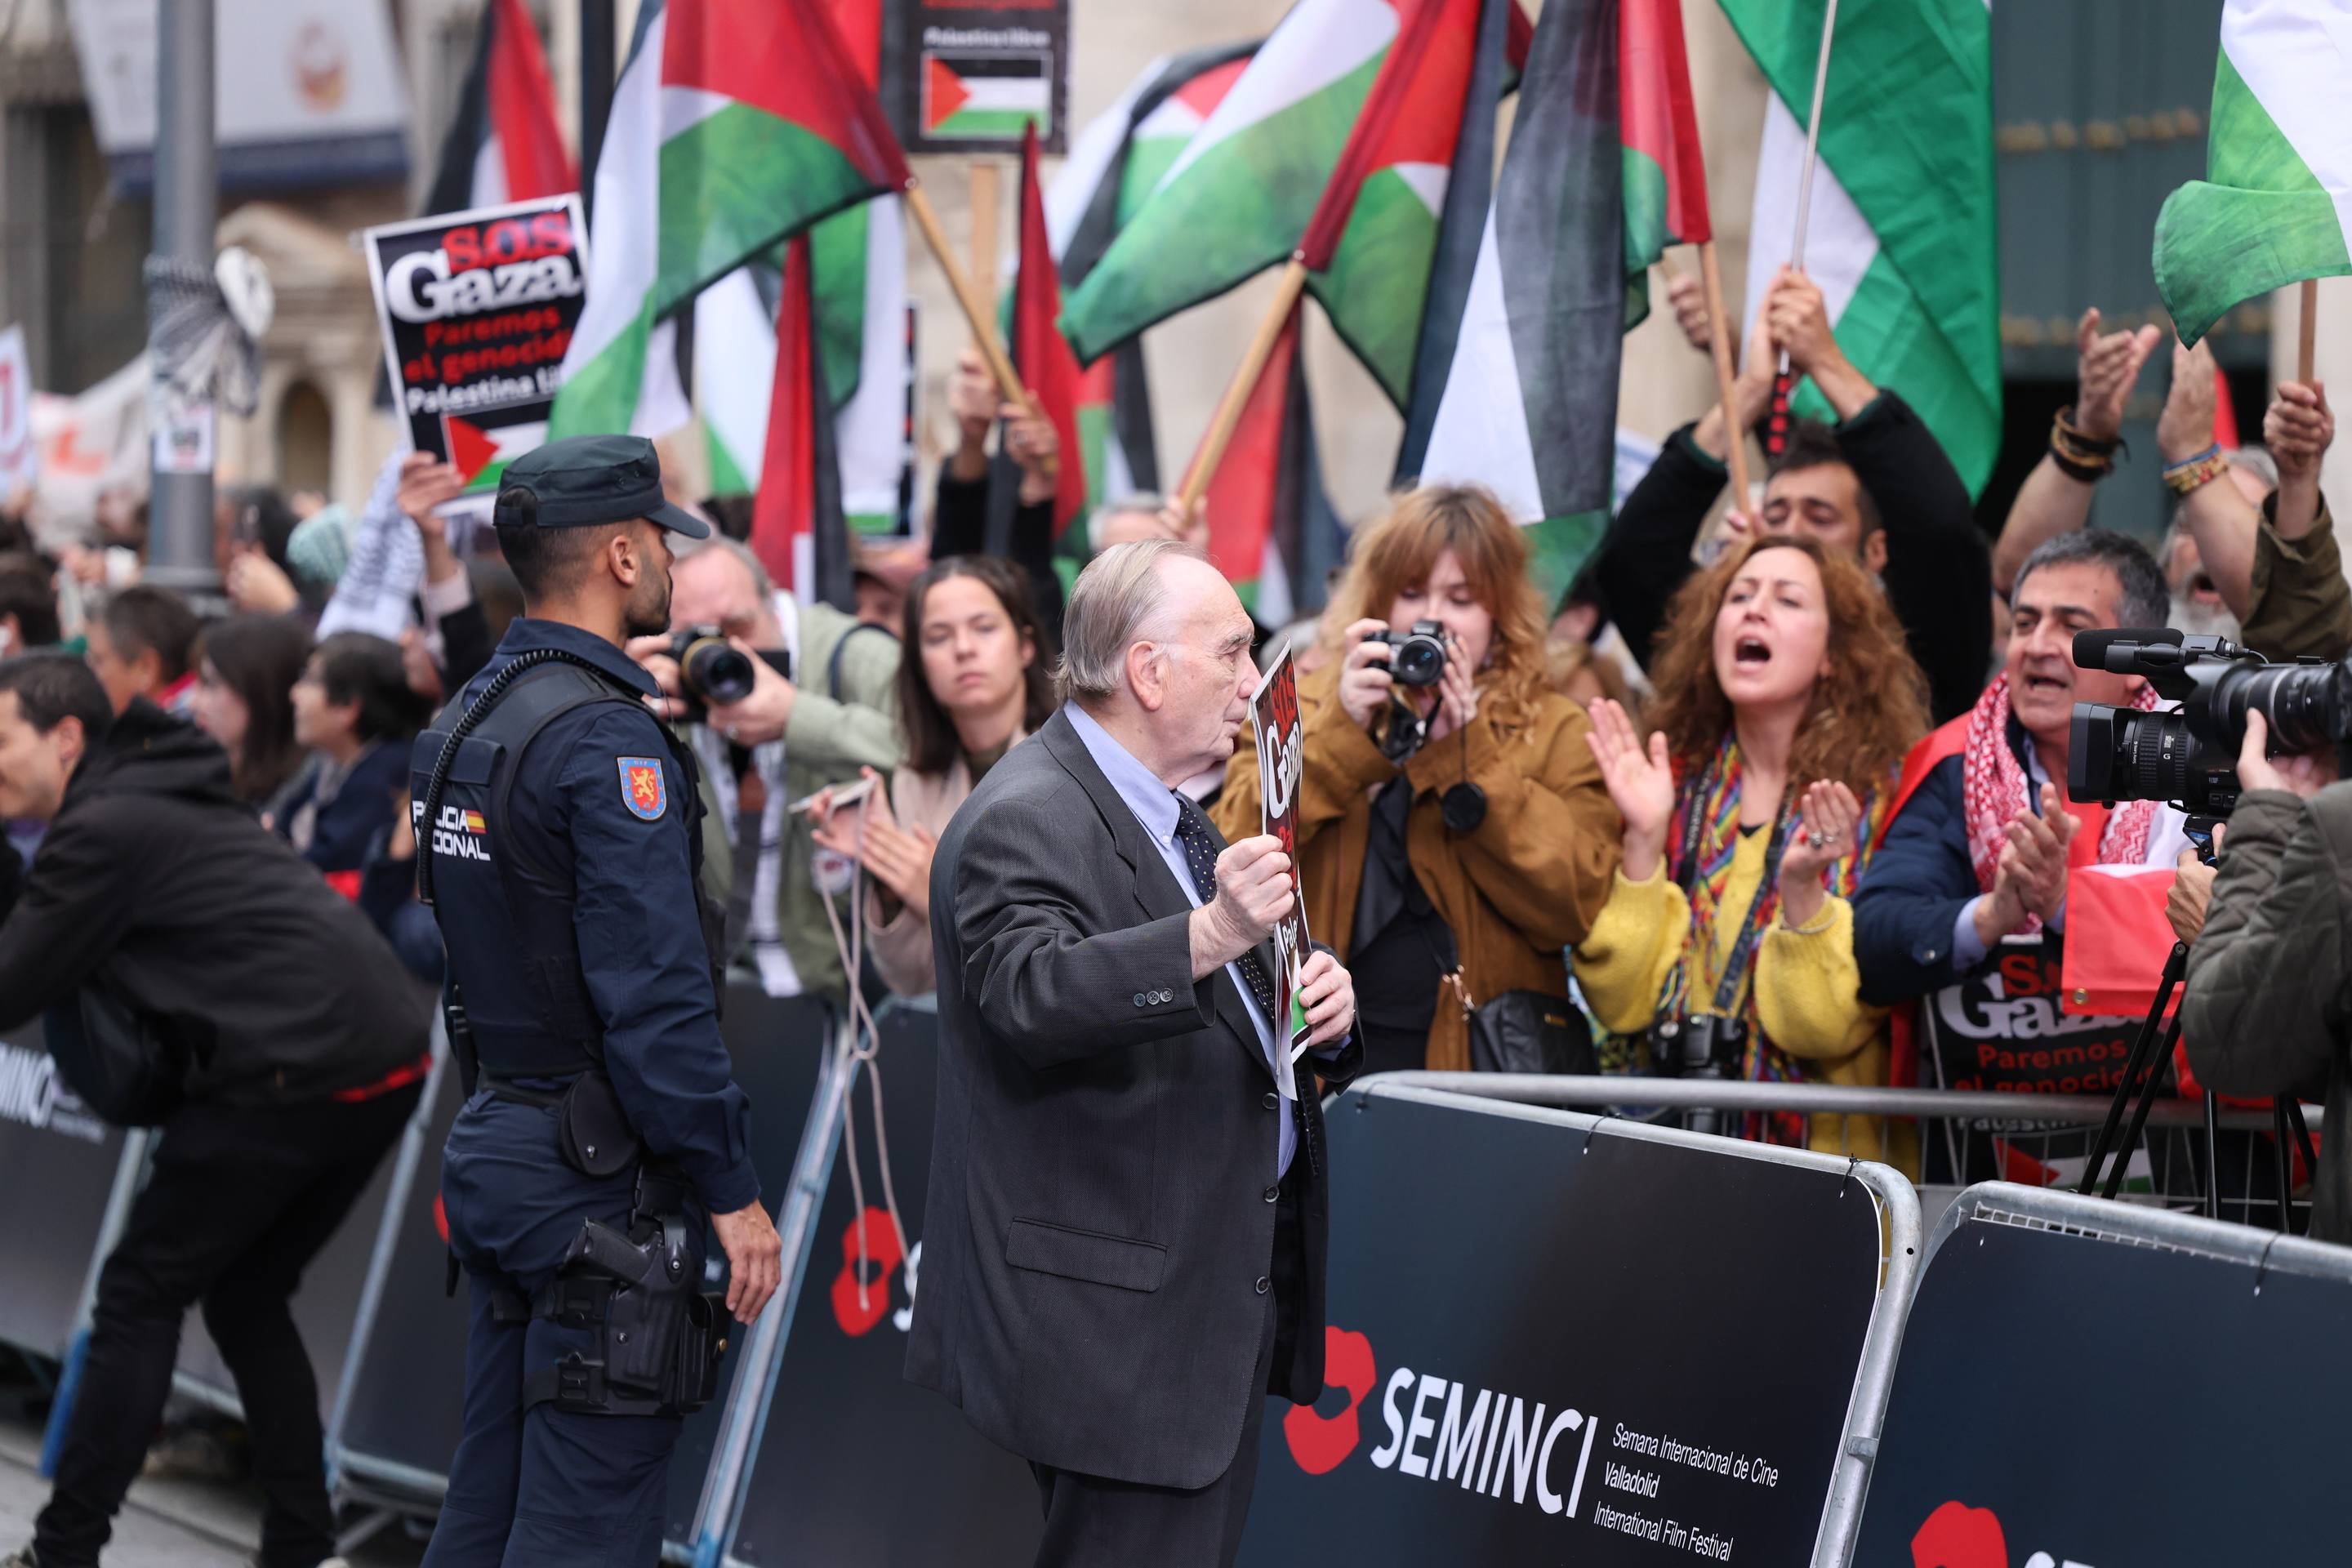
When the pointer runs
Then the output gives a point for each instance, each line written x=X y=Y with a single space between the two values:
x=2188 y=756
x=1416 y=657
x=712 y=672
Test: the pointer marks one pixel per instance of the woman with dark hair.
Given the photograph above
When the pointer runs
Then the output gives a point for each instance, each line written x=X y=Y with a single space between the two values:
x=354 y=710
x=1453 y=835
x=245 y=683
x=975 y=685
x=1786 y=702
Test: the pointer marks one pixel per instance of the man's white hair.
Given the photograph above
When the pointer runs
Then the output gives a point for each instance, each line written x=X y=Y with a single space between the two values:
x=1117 y=601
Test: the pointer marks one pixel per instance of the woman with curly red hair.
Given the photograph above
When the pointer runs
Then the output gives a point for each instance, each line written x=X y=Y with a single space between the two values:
x=1787 y=701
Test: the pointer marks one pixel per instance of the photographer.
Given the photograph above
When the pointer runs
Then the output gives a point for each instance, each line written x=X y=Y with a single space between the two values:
x=1454 y=822
x=789 y=738
x=1785 y=705
x=2263 y=1012
x=302 y=1048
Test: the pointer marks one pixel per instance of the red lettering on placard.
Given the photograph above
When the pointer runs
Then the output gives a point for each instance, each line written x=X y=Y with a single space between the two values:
x=854 y=1315
x=1320 y=1442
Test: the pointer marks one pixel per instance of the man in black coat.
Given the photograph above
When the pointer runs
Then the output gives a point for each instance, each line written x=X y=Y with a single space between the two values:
x=1877 y=484
x=1129 y=1190
x=307 y=1047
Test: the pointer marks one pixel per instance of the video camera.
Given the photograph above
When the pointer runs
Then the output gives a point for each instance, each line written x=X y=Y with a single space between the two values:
x=2188 y=756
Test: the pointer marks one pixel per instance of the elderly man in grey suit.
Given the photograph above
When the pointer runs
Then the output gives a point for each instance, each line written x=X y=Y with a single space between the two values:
x=1127 y=1201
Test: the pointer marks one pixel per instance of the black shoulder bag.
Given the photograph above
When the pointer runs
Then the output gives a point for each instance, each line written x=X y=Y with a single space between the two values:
x=1518 y=1031
x=125 y=1067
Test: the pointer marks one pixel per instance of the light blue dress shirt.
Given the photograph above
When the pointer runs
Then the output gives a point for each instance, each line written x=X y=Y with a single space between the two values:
x=1154 y=805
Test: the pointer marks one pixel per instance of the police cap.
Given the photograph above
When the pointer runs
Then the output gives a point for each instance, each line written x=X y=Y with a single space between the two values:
x=584 y=480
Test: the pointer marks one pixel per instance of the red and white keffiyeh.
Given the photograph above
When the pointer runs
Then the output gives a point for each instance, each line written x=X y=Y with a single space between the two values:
x=1994 y=788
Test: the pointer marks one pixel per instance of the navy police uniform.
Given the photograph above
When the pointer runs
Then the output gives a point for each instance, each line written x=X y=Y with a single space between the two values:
x=563 y=852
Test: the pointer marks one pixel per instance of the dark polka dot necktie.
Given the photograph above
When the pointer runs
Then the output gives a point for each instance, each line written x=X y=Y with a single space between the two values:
x=1200 y=841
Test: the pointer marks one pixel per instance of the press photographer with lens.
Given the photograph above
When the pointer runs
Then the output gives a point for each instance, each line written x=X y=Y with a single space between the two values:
x=1452 y=821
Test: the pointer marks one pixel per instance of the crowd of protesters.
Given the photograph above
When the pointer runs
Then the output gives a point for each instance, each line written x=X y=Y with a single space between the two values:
x=1816 y=777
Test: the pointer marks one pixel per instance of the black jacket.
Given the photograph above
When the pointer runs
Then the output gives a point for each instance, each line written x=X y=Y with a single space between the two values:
x=1095 y=1276
x=959 y=526
x=1938 y=572
x=156 y=882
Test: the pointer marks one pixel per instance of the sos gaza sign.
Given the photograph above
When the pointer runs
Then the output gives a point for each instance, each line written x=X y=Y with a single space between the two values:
x=478 y=310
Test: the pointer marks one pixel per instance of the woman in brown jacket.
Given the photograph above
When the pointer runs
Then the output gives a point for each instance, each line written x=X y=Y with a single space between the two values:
x=1404 y=867
x=971 y=685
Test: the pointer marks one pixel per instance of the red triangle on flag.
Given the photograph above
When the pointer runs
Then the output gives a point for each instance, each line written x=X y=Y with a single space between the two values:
x=944 y=93
x=471 y=448
x=1039 y=350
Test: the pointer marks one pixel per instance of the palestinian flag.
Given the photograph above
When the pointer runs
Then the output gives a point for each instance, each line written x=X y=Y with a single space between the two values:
x=986 y=95
x=1665 y=177
x=2275 y=204
x=1112 y=164
x=736 y=123
x=1903 y=239
x=1040 y=352
x=1272 y=530
x=1302 y=120
x=798 y=529
x=1528 y=403
x=858 y=272
x=503 y=145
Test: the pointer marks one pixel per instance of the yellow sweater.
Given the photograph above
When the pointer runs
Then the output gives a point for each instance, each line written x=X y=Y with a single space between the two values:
x=1808 y=990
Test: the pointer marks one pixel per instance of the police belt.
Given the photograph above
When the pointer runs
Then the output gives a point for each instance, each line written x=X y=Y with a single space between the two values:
x=661 y=1337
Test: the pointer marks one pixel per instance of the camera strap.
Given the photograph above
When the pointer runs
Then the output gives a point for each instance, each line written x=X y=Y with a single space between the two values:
x=1730 y=987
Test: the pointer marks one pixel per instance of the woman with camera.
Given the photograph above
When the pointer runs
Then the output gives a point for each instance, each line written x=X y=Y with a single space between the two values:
x=975 y=687
x=1454 y=833
x=1786 y=703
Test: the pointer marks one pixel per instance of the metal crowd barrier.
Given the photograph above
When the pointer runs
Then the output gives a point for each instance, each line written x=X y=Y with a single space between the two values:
x=2184 y=1374
x=833 y=1384
x=1967 y=1137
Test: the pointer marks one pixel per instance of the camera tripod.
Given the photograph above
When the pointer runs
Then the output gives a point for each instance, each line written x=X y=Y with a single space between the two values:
x=2144 y=1075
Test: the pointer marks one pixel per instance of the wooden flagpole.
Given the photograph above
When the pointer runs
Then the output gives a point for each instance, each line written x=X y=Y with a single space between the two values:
x=1228 y=418
x=1784 y=383
x=1726 y=380
x=975 y=310
x=985 y=230
x=2307 y=346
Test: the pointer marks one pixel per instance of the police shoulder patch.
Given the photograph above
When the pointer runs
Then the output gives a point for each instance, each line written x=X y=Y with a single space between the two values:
x=642 y=789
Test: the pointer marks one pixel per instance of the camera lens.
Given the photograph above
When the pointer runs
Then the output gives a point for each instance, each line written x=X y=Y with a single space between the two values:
x=2300 y=701
x=1420 y=660
x=716 y=672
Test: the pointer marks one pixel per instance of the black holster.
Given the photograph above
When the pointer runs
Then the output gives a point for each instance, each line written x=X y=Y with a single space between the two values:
x=661 y=1337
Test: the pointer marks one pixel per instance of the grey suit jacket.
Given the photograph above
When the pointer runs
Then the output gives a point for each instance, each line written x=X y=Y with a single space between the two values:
x=1101 y=1215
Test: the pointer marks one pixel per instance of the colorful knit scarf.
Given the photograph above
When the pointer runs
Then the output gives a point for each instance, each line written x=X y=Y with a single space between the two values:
x=1994 y=788
x=1704 y=838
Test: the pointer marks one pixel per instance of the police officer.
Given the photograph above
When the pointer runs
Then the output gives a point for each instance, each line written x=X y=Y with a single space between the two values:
x=559 y=847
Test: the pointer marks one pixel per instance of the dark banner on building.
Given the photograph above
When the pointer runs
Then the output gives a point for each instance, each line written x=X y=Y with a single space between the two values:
x=59 y=1160
x=477 y=310
x=858 y=1464
x=1550 y=1347
x=973 y=78
x=2066 y=1399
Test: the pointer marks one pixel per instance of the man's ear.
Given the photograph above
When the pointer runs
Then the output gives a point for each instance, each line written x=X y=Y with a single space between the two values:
x=624 y=557
x=1874 y=549
x=72 y=740
x=1147 y=674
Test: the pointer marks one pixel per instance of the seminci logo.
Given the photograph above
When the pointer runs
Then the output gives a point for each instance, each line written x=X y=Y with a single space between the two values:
x=1483 y=1440
x=1958 y=1536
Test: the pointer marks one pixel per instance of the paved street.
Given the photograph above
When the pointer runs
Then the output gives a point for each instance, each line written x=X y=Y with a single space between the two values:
x=166 y=1524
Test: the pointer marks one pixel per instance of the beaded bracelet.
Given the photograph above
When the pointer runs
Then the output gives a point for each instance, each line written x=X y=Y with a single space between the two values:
x=2193 y=472
x=2083 y=458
